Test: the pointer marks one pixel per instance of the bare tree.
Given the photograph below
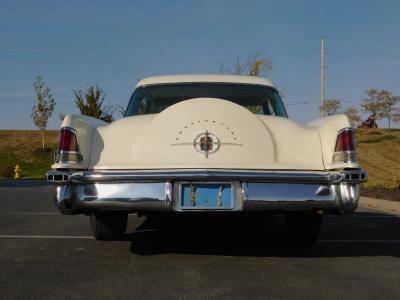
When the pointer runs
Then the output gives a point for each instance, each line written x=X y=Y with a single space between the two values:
x=121 y=110
x=255 y=64
x=396 y=115
x=371 y=103
x=388 y=102
x=221 y=66
x=42 y=111
x=353 y=115
x=331 y=107
x=380 y=103
x=90 y=103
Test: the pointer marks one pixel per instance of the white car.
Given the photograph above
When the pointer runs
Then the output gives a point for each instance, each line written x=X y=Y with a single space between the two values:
x=206 y=143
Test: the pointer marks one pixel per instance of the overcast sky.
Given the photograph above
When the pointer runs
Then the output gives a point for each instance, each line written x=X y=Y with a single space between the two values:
x=114 y=43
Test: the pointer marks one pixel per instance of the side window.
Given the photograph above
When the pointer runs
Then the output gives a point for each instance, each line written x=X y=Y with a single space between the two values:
x=270 y=107
x=144 y=106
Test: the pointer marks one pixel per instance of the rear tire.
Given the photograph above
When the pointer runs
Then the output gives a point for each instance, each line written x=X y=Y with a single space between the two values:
x=303 y=228
x=108 y=226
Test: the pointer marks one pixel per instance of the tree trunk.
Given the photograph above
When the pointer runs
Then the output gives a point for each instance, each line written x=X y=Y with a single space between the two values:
x=42 y=139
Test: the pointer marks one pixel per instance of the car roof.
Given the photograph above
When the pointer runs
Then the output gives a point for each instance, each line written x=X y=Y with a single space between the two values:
x=213 y=78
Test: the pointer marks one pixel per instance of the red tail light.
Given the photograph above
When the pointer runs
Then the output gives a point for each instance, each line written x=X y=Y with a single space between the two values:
x=68 y=140
x=68 y=149
x=345 y=149
x=345 y=141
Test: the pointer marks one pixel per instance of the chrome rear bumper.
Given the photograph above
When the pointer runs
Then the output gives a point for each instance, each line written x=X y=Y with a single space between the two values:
x=84 y=191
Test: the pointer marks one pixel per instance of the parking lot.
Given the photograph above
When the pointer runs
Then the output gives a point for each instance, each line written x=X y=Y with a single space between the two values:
x=45 y=255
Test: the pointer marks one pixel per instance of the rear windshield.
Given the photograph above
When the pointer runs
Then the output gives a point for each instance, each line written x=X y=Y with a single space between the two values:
x=256 y=98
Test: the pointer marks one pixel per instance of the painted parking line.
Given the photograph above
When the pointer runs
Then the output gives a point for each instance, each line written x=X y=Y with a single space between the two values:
x=31 y=213
x=45 y=237
x=329 y=216
x=362 y=217
x=92 y=238
x=360 y=241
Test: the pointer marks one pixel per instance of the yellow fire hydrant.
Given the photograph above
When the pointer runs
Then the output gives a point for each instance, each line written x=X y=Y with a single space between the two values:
x=17 y=171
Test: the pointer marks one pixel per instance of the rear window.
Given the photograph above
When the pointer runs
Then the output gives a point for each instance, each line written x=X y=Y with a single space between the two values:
x=256 y=98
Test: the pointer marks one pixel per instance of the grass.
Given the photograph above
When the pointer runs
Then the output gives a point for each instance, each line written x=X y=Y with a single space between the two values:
x=24 y=147
x=378 y=152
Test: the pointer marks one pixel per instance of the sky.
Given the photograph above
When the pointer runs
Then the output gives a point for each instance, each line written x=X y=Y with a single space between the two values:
x=113 y=44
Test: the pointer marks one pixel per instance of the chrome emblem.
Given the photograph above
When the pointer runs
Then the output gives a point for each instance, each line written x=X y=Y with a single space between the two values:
x=206 y=143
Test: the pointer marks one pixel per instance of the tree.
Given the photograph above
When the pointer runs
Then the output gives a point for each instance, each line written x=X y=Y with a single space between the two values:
x=396 y=115
x=330 y=107
x=352 y=113
x=380 y=103
x=388 y=102
x=42 y=111
x=90 y=103
x=255 y=65
x=121 y=110
x=371 y=103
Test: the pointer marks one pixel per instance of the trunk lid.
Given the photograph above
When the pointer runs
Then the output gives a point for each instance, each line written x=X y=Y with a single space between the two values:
x=206 y=133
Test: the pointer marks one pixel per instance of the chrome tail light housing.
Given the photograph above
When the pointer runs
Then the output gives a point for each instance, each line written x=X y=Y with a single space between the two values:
x=345 y=148
x=68 y=147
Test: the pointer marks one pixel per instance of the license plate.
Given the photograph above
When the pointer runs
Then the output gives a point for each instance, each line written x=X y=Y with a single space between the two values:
x=206 y=196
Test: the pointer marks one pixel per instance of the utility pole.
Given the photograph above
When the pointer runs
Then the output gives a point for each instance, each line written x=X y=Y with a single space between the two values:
x=322 y=76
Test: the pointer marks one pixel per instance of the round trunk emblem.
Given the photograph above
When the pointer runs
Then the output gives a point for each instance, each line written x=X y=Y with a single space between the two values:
x=206 y=143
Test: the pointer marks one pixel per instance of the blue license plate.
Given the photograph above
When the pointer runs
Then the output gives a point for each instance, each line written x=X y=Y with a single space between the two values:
x=206 y=196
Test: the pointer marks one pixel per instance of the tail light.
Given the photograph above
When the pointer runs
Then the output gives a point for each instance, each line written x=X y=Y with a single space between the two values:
x=68 y=149
x=345 y=147
x=68 y=140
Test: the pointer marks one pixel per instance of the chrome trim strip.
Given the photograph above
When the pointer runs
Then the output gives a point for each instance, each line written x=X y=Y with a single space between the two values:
x=105 y=176
x=210 y=175
x=168 y=194
x=344 y=157
x=67 y=157
x=345 y=129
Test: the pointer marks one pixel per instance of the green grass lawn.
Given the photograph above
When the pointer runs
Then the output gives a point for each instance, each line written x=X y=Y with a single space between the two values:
x=378 y=152
x=24 y=147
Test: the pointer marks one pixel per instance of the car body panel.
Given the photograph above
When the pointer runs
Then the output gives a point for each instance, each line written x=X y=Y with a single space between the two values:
x=204 y=78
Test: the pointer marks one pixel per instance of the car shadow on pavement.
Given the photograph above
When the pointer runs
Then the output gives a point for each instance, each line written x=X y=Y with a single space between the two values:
x=361 y=234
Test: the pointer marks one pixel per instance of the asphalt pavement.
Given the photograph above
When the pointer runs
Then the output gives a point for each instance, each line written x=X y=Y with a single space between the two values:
x=45 y=255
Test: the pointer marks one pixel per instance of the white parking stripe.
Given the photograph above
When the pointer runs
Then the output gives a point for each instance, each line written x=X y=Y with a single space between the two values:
x=45 y=237
x=32 y=213
x=90 y=238
x=363 y=217
x=329 y=216
x=359 y=241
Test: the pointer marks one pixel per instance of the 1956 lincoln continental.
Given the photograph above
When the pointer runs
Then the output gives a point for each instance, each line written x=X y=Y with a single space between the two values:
x=206 y=143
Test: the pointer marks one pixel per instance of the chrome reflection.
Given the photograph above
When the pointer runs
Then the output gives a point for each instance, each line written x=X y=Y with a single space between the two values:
x=127 y=191
x=73 y=199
